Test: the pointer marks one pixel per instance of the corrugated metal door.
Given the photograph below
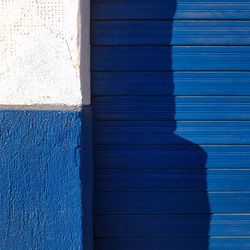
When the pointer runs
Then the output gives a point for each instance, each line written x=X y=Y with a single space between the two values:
x=171 y=98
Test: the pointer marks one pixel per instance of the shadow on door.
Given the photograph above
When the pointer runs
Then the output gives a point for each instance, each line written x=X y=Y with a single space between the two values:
x=180 y=219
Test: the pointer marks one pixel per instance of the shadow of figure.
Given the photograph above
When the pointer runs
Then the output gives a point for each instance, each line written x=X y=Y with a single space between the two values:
x=188 y=226
x=175 y=214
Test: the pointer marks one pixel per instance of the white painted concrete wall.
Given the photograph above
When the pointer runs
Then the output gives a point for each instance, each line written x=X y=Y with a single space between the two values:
x=40 y=52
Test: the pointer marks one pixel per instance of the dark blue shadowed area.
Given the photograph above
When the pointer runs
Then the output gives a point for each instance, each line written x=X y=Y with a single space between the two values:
x=86 y=176
x=150 y=182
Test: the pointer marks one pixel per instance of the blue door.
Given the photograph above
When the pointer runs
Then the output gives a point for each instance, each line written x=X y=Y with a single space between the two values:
x=171 y=105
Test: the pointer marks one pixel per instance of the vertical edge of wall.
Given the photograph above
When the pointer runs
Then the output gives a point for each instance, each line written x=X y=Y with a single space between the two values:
x=87 y=177
x=84 y=18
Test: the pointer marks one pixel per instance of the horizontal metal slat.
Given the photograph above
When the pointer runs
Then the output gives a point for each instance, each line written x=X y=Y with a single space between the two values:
x=170 y=83
x=168 y=133
x=170 y=225
x=171 y=33
x=168 y=157
x=148 y=243
x=171 y=202
x=178 y=9
x=171 y=180
x=171 y=108
x=167 y=58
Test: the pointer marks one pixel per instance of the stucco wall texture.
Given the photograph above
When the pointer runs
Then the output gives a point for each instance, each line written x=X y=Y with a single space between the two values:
x=45 y=133
x=40 y=52
x=40 y=171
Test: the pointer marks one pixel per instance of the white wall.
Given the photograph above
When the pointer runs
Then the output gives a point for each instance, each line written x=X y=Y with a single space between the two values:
x=40 y=52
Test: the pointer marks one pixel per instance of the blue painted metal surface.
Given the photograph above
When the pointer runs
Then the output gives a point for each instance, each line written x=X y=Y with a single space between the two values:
x=160 y=156
x=172 y=225
x=171 y=243
x=162 y=203
x=170 y=84
x=172 y=133
x=182 y=32
x=178 y=9
x=183 y=58
x=111 y=180
x=193 y=83
x=199 y=108
x=42 y=187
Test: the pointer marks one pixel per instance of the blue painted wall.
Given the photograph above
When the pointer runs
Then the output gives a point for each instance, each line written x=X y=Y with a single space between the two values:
x=42 y=171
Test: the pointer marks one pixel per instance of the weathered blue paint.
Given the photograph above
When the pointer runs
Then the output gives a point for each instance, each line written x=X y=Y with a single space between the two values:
x=41 y=170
